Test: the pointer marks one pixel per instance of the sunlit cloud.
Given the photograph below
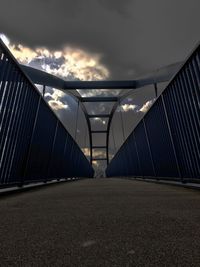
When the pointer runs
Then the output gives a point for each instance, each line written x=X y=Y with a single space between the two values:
x=57 y=105
x=136 y=108
x=57 y=99
x=97 y=92
x=147 y=106
x=64 y=63
x=57 y=94
x=128 y=107
x=86 y=151
x=5 y=39
x=100 y=120
x=98 y=165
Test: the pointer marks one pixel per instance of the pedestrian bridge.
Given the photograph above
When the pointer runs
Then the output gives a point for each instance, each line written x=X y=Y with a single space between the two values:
x=36 y=147
x=99 y=222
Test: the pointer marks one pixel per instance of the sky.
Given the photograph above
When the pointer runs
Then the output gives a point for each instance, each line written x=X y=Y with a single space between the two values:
x=101 y=39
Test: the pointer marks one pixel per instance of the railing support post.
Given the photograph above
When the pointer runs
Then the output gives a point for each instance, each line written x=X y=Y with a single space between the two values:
x=148 y=143
x=171 y=138
x=31 y=140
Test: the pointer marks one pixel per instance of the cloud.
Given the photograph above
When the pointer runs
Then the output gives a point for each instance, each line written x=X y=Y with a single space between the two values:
x=56 y=98
x=100 y=93
x=96 y=154
x=57 y=105
x=66 y=63
x=5 y=39
x=132 y=37
x=86 y=151
x=146 y=106
x=99 y=166
x=128 y=107
x=120 y=7
x=100 y=120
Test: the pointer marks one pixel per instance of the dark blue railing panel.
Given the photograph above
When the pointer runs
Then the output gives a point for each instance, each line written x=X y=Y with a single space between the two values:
x=34 y=145
x=166 y=142
x=142 y=142
x=163 y=156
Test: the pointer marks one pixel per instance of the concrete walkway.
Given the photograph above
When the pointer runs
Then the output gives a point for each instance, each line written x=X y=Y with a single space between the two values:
x=102 y=222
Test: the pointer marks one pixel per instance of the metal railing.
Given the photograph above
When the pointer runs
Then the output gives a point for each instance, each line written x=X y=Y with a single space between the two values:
x=34 y=144
x=166 y=142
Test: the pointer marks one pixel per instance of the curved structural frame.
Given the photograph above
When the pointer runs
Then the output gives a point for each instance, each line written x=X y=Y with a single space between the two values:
x=70 y=87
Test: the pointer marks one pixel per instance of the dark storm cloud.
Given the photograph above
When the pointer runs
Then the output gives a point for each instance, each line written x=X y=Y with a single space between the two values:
x=133 y=36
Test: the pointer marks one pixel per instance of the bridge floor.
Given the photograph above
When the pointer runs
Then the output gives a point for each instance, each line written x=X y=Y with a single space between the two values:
x=101 y=222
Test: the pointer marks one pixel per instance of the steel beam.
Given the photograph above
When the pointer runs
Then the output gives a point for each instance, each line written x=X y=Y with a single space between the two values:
x=99 y=116
x=94 y=159
x=99 y=131
x=99 y=99
x=98 y=147
x=41 y=77
x=99 y=85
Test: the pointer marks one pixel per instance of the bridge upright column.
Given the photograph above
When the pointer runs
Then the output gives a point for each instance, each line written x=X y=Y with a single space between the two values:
x=31 y=140
x=148 y=143
x=172 y=141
